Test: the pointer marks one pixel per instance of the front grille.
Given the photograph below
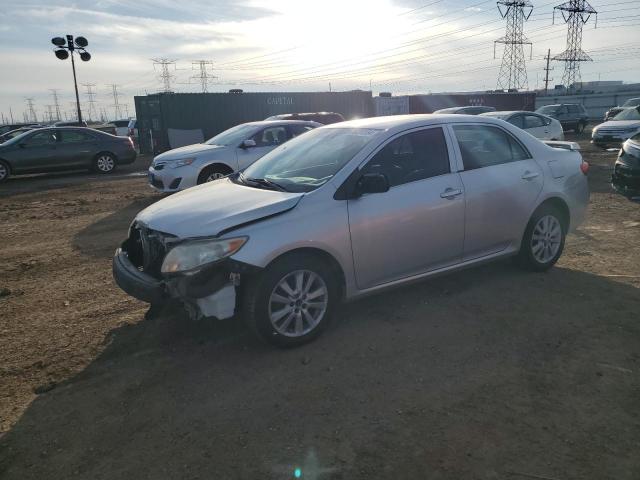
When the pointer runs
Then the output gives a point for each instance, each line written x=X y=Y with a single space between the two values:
x=146 y=248
x=613 y=131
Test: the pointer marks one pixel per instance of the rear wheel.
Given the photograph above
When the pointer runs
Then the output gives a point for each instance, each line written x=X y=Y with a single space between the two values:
x=292 y=301
x=104 y=162
x=543 y=240
x=213 y=172
x=5 y=171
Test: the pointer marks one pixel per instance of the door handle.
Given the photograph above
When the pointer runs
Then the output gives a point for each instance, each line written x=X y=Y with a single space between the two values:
x=529 y=175
x=451 y=193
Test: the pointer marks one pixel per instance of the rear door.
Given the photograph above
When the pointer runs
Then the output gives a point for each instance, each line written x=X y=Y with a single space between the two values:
x=76 y=148
x=266 y=140
x=418 y=225
x=535 y=125
x=501 y=184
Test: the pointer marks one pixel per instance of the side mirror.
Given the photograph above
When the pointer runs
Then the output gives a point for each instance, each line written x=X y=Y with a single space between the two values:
x=372 y=183
x=248 y=143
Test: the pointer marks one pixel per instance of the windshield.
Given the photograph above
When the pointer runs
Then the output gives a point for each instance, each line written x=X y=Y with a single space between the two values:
x=547 y=110
x=234 y=136
x=310 y=160
x=632 y=102
x=629 y=114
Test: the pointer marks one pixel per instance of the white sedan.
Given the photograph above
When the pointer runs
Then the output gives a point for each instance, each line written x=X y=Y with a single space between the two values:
x=227 y=152
x=540 y=126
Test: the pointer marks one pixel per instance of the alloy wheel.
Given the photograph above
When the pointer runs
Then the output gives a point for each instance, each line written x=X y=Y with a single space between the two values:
x=105 y=163
x=546 y=239
x=298 y=303
x=214 y=176
x=3 y=172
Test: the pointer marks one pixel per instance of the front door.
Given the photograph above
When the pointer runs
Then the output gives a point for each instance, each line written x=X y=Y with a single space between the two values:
x=266 y=140
x=418 y=225
x=501 y=184
x=37 y=152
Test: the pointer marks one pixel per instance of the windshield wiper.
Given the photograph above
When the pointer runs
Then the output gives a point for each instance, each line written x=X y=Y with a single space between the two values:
x=265 y=182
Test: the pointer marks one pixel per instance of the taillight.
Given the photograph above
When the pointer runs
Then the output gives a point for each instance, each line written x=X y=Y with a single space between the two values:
x=584 y=167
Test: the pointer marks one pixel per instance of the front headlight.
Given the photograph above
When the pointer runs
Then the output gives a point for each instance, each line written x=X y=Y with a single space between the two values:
x=181 y=162
x=197 y=253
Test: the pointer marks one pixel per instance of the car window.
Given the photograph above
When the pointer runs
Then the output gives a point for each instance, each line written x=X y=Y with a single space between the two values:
x=121 y=123
x=574 y=109
x=629 y=114
x=299 y=129
x=270 y=136
x=411 y=157
x=484 y=146
x=632 y=102
x=532 y=121
x=42 y=138
x=70 y=136
x=517 y=120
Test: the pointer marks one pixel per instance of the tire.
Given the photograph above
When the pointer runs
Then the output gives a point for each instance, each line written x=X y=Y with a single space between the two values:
x=213 y=172
x=297 y=322
x=5 y=171
x=580 y=127
x=543 y=239
x=104 y=162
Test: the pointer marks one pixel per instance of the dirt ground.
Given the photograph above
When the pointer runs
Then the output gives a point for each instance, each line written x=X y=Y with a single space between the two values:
x=490 y=373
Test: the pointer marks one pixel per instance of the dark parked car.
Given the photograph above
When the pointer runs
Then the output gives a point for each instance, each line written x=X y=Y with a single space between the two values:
x=626 y=171
x=70 y=124
x=14 y=133
x=324 y=118
x=572 y=116
x=13 y=126
x=468 y=110
x=613 y=111
x=64 y=148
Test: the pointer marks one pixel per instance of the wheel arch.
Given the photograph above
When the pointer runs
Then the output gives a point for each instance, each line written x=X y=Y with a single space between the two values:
x=322 y=255
x=216 y=165
x=559 y=204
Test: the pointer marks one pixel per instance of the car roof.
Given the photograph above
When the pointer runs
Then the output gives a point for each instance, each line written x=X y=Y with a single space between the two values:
x=412 y=120
x=283 y=122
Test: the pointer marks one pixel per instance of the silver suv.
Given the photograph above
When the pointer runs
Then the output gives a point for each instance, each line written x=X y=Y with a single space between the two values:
x=351 y=209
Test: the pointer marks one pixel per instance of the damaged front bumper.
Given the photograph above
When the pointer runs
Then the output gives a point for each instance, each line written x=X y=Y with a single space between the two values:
x=207 y=293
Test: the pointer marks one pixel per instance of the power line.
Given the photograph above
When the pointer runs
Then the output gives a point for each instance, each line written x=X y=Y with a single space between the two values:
x=91 y=94
x=116 y=103
x=56 y=102
x=513 y=70
x=165 y=76
x=203 y=75
x=575 y=14
x=31 y=110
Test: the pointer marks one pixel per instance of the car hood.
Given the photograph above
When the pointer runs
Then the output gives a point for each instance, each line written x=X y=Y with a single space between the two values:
x=189 y=150
x=211 y=208
x=620 y=123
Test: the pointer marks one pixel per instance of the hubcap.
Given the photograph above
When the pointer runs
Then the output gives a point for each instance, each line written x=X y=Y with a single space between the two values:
x=105 y=163
x=3 y=171
x=298 y=303
x=214 y=176
x=546 y=238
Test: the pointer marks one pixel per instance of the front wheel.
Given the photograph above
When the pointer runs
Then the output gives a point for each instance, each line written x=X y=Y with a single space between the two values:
x=291 y=303
x=104 y=163
x=543 y=240
x=213 y=172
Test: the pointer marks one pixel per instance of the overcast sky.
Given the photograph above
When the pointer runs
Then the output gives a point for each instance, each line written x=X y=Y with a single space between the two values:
x=402 y=46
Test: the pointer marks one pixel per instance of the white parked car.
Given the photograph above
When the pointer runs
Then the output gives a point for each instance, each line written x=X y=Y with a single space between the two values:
x=227 y=152
x=616 y=131
x=540 y=126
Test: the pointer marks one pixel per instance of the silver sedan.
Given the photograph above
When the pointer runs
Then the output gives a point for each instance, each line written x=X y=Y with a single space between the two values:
x=351 y=209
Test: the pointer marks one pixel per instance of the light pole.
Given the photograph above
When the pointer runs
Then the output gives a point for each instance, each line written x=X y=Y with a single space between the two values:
x=62 y=52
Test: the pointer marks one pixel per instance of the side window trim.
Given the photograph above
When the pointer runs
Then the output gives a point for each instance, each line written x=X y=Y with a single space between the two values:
x=456 y=146
x=453 y=165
